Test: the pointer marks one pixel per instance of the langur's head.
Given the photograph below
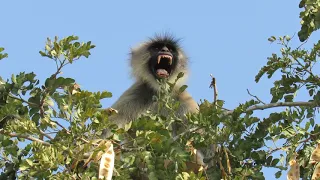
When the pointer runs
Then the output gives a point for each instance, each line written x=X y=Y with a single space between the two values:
x=158 y=58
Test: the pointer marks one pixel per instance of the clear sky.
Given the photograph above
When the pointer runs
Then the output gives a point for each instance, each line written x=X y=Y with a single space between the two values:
x=225 y=38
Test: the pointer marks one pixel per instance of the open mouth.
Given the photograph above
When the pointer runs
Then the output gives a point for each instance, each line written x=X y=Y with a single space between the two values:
x=163 y=66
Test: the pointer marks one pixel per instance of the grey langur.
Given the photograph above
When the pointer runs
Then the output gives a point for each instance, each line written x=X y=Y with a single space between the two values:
x=158 y=58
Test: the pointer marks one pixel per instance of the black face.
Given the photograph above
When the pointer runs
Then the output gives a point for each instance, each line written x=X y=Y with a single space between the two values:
x=163 y=59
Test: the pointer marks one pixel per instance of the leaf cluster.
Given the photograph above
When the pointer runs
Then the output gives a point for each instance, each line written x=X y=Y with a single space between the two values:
x=310 y=18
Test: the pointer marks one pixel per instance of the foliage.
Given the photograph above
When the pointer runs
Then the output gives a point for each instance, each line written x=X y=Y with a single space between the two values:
x=55 y=117
x=48 y=130
x=3 y=55
x=310 y=18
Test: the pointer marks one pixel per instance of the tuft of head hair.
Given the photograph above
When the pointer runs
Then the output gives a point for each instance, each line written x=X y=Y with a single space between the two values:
x=140 y=57
x=165 y=38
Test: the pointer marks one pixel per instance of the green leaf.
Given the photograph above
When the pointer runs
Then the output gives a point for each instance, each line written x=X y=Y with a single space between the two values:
x=49 y=102
x=6 y=142
x=76 y=44
x=272 y=39
x=307 y=126
x=180 y=75
x=13 y=79
x=68 y=81
x=288 y=98
x=49 y=82
x=42 y=53
x=269 y=160
x=33 y=111
x=36 y=118
x=312 y=122
x=105 y=94
x=23 y=167
x=278 y=174
x=3 y=55
x=127 y=126
x=274 y=162
x=182 y=88
x=311 y=91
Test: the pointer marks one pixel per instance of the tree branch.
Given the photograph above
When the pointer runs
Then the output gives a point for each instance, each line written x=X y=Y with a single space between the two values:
x=278 y=104
x=58 y=69
x=25 y=137
x=215 y=91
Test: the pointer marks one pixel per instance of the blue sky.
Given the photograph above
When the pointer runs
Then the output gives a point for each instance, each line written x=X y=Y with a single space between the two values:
x=224 y=38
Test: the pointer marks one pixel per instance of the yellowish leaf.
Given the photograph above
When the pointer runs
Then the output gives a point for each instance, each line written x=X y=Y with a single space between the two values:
x=107 y=162
x=315 y=156
x=316 y=173
x=294 y=172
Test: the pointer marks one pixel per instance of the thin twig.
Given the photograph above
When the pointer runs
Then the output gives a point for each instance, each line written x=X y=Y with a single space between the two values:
x=185 y=132
x=56 y=63
x=302 y=44
x=46 y=135
x=300 y=142
x=256 y=97
x=59 y=69
x=307 y=70
x=69 y=132
x=25 y=137
x=60 y=125
x=22 y=100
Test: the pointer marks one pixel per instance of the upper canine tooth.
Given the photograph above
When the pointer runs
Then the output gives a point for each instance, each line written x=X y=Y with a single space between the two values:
x=170 y=60
x=159 y=57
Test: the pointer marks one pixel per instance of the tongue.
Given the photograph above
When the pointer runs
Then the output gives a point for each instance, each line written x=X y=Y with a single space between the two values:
x=162 y=73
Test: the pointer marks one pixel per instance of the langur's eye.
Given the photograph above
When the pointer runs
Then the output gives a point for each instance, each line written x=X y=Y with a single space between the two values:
x=155 y=48
x=170 y=48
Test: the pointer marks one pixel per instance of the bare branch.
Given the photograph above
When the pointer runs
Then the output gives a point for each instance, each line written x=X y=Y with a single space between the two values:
x=46 y=135
x=215 y=91
x=302 y=44
x=60 y=125
x=25 y=137
x=185 y=132
x=256 y=97
x=278 y=104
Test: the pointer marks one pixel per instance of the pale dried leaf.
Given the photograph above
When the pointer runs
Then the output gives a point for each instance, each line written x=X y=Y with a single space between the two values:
x=166 y=163
x=294 y=171
x=315 y=156
x=107 y=162
x=316 y=173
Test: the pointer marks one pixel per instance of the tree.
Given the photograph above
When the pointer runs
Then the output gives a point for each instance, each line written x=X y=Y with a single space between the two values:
x=52 y=130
